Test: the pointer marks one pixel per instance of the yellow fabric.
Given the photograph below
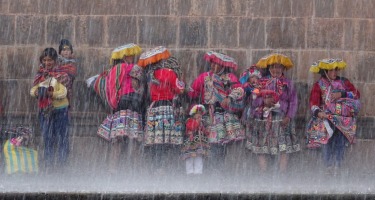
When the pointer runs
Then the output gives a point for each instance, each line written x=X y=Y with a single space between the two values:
x=59 y=98
x=275 y=59
x=327 y=64
x=20 y=159
x=125 y=50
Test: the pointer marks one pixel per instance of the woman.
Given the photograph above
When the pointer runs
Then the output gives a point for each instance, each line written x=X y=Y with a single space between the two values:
x=220 y=91
x=121 y=88
x=334 y=103
x=274 y=110
x=53 y=106
x=164 y=128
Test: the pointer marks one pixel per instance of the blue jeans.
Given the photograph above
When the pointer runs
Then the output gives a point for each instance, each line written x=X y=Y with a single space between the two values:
x=55 y=132
x=333 y=151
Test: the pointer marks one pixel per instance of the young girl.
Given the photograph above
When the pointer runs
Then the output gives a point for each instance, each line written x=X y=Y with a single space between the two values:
x=196 y=144
x=53 y=106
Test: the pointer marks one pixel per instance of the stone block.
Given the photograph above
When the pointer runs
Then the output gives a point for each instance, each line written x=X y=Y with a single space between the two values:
x=252 y=33
x=7 y=29
x=366 y=32
x=325 y=33
x=224 y=32
x=187 y=63
x=16 y=96
x=158 y=31
x=90 y=31
x=367 y=99
x=51 y=7
x=350 y=37
x=151 y=7
x=59 y=27
x=232 y=8
x=30 y=29
x=23 y=7
x=280 y=8
x=92 y=62
x=365 y=73
x=355 y=9
x=302 y=8
x=86 y=7
x=324 y=8
x=240 y=58
x=198 y=7
x=285 y=33
x=122 y=30
x=193 y=32
x=84 y=100
x=23 y=62
x=4 y=6
x=259 y=8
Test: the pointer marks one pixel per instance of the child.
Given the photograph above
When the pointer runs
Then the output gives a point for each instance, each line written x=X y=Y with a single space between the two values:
x=53 y=104
x=250 y=81
x=66 y=52
x=196 y=144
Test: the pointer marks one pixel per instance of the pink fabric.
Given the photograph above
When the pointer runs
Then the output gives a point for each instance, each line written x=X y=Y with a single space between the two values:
x=124 y=81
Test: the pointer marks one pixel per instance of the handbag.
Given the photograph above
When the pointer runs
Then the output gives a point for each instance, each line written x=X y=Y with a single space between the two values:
x=20 y=159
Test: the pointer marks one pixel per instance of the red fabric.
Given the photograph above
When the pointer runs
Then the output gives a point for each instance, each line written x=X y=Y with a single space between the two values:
x=167 y=88
x=192 y=125
x=316 y=93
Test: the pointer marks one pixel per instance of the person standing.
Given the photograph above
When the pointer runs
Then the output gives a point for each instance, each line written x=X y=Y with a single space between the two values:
x=334 y=103
x=274 y=110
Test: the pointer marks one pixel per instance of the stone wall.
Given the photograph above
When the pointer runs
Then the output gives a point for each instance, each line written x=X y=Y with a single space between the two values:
x=244 y=29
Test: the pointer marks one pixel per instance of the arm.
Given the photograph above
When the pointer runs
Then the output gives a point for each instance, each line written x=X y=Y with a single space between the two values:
x=351 y=92
x=197 y=87
x=59 y=91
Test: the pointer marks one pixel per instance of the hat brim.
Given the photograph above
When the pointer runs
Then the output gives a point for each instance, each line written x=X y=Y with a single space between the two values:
x=153 y=56
x=221 y=59
x=327 y=64
x=275 y=59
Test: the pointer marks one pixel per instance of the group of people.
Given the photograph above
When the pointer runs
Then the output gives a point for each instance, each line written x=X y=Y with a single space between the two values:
x=152 y=105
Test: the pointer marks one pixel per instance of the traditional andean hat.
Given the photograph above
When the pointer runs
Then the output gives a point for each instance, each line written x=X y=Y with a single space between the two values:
x=327 y=64
x=275 y=59
x=153 y=56
x=125 y=50
x=221 y=59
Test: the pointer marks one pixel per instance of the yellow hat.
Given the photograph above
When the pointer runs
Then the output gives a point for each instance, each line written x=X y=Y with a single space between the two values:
x=125 y=50
x=327 y=64
x=275 y=59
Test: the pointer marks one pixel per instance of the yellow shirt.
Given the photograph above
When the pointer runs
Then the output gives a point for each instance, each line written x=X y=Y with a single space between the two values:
x=59 y=97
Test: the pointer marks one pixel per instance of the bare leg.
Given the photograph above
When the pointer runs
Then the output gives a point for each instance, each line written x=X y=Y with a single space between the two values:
x=262 y=161
x=283 y=162
x=114 y=156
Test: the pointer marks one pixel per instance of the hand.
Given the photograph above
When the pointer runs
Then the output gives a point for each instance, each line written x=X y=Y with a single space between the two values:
x=225 y=102
x=322 y=115
x=50 y=91
x=285 y=121
x=269 y=102
x=335 y=96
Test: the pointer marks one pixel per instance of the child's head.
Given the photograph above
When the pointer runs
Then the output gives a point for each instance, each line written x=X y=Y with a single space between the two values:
x=48 y=58
x=65 y=48
x=197 y=111
x=254 y=75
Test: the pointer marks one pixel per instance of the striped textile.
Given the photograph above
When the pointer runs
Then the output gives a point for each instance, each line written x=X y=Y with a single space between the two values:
x=20 y=159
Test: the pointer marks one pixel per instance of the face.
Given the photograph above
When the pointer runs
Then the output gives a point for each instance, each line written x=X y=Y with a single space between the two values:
x=198 y=117
x=276 y=70
x=216 y=68
x=253 y=80
x=332 y=74
x=48 y=62
x=129 y=59
x=66 y=53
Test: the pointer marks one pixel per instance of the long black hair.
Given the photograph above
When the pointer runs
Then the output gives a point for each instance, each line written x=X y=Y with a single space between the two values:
x=50 y=52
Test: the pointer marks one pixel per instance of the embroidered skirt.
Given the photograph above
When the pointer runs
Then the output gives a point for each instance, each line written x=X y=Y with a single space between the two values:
x=164 y=125
x=269 y=137
x=224 y=128
x=197 y=147
x=123 y=123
